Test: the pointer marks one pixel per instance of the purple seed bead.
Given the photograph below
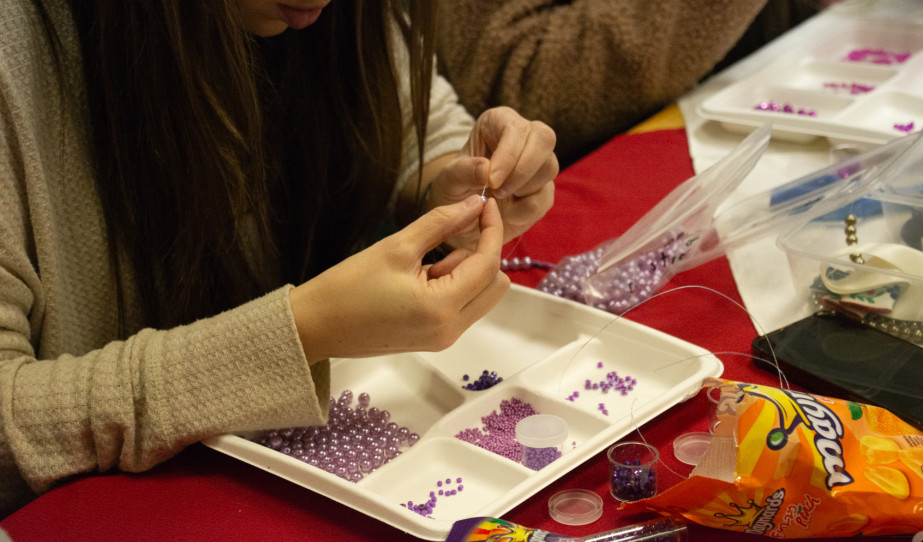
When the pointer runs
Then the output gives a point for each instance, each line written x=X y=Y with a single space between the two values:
x=539 y=458
x=630 y=482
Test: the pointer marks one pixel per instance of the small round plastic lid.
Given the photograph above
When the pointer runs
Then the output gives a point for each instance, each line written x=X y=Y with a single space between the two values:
x=541 y=431
x=690 y=447
x=575 y=507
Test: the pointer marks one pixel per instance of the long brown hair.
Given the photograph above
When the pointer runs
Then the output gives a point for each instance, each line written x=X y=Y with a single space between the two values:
x=198 y=127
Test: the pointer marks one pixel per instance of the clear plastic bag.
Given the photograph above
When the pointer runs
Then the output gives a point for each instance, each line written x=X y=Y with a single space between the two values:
x=624 y=271
x=685 y=229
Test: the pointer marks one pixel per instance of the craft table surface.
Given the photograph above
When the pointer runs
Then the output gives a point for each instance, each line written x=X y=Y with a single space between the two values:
x=202 y=494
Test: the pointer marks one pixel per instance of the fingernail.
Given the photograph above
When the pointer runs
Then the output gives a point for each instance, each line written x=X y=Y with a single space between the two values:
x=473 y=200
x=497 y=177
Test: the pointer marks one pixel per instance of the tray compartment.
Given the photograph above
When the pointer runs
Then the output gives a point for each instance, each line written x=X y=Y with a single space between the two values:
x=656 y=367
x=508 y=340
x=405 y=385
x=890 y=36
x=485 y=477
x=581 y=426
x=837 y=78
x=748 y=98
x=883 y=111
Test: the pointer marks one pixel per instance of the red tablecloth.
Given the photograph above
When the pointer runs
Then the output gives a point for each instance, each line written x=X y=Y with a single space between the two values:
x=204 y=495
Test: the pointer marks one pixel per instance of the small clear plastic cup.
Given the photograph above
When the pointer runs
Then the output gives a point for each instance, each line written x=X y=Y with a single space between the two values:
x=542 y=438
x=633 y=471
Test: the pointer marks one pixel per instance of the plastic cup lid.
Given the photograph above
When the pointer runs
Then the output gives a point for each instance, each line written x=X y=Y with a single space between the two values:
x=690 y=447
x=541 y=431
x=575 y=507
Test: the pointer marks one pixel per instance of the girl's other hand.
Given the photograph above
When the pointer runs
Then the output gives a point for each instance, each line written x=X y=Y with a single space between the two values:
x=514 y=158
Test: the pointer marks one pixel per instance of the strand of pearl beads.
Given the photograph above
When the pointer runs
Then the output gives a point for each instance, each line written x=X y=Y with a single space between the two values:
x=523 y=264
x=619 y=287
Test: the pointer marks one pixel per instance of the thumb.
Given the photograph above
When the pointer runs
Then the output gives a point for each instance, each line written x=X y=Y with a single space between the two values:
x=439 y=224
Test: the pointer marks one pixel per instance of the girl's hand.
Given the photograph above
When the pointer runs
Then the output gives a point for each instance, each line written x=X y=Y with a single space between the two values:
x=383 y=300
x=511 y=156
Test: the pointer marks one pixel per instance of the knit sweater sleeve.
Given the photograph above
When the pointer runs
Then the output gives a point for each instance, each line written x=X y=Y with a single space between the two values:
x=135 y=403
x=588 y=68
x=73 y=399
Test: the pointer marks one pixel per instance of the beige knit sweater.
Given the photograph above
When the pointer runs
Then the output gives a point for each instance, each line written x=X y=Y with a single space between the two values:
x=588 y=68
x=72 y=399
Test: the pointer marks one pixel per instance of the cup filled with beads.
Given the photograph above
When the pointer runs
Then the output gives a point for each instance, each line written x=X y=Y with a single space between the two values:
x=633 y=471
x=542 y=438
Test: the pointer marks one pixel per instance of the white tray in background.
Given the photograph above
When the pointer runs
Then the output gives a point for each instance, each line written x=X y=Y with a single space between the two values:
x=801 y=78
x=545 y=348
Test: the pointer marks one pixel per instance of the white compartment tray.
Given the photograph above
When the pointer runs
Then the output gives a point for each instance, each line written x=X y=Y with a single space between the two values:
x=862 y=79
x=545 y=348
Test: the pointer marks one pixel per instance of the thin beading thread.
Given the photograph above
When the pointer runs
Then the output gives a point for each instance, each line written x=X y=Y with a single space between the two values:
x=637 y=428
x=513 y=248
x=783 y=380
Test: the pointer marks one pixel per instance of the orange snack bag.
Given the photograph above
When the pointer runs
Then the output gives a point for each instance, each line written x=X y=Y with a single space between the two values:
x=788 y=464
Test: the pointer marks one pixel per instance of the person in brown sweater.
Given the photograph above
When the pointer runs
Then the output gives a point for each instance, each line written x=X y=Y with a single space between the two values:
x=189 y=200
x=589 y=68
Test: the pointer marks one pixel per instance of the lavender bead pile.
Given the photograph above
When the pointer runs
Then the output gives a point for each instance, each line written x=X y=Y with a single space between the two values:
x=632 y=482
x=498 y=435
x=851 y=88
x=621 y=286
x=485 y=381
x=444 y=489
x=784 y=108
x=354 y=442
x=877 y=56
x=612 y=381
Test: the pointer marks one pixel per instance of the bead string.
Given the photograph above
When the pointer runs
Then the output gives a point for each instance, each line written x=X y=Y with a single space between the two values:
x=523 y=264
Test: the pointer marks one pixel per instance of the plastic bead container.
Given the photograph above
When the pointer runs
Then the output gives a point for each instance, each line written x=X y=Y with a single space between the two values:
x=575 y=507
x=545 y=348
x=633 y=471
x=542 y=439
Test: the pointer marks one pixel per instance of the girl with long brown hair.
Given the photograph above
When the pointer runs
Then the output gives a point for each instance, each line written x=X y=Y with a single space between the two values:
x=201 y=202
